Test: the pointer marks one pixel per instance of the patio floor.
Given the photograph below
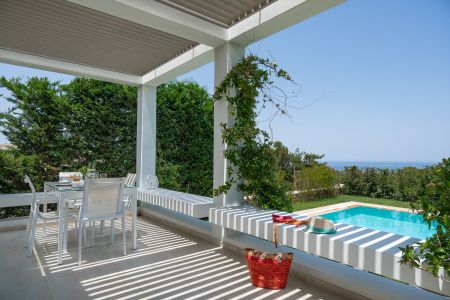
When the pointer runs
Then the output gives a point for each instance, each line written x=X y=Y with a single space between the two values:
x=167 y=265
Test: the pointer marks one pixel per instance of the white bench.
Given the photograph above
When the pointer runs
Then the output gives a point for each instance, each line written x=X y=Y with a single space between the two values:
x=188 y=204
x=363 y=248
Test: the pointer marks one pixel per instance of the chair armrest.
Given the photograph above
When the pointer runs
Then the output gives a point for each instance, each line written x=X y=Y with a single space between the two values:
x=73 y=203
x=126 y=202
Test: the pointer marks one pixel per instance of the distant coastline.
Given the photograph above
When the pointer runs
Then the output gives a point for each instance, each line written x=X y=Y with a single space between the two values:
x=392 y=165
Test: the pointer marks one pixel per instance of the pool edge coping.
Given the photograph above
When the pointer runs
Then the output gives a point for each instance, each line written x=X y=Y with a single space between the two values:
x=345 y=205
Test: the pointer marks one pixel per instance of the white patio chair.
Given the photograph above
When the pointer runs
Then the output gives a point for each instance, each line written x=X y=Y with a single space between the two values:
x=65 y=176
x=130 y=181
x=35 y=214
x=102 y=200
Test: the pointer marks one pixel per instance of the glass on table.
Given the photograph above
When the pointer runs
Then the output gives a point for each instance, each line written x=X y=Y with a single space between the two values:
x=91 y=175
x=76 y=177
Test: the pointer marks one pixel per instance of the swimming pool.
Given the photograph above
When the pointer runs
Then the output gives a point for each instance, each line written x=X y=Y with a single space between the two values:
x=399 y=222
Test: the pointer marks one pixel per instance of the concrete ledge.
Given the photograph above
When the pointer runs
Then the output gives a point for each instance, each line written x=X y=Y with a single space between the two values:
x=339 y=278
x=188 y=204
x=363 y=248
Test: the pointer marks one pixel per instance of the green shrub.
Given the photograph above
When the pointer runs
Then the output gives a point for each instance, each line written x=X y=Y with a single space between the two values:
x=385 y=186
x=434 y=207
x=12 y=166
x=316 y=182
x=352 y=180
x=406 y=184
x=185 y=137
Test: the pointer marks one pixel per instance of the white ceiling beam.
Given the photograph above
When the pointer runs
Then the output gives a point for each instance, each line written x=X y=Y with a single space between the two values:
x=192 y=59
x=49 y=64
x=161 y=17
x=275 y=17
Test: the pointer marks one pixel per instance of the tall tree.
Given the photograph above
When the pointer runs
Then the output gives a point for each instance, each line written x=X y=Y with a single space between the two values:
x=58 y=127
x=35 y=123
x=101 y=125
x=291 y=164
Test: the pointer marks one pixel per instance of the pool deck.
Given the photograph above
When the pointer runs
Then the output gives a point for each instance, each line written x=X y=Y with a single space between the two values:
x=350 y=204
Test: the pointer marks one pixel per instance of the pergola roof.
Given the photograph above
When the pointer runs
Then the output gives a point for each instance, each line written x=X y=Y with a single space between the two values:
x=222 y=13
x=137 y=41
x=66 y=31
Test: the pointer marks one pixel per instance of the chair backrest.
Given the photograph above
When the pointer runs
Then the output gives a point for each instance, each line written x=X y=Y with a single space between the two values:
x=130 y=180
x=102 y=198
x=152 y=182
x=33 y=190
x=67 y=175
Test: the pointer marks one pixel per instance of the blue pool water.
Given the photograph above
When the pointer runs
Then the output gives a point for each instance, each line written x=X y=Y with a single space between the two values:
x=399 y=222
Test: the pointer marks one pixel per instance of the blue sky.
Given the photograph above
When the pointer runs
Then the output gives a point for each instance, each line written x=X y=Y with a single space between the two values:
x=379 y=69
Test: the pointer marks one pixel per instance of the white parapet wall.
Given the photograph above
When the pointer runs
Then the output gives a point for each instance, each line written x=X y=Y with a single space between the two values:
x=188 y=204
x=19 y=199
x=14 y=200
x=362 y=248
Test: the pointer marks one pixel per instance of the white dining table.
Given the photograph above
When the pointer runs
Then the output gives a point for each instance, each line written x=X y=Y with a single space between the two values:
x=65 y=192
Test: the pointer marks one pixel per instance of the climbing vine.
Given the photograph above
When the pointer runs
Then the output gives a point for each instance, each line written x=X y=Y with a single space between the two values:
x=249 y=88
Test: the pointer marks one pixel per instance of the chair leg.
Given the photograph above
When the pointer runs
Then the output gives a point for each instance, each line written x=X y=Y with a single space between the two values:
x=84 y=234
x=80 y=236
x=124 y=236
x=93 y=234
x=44 y=223
x=32 y=234
x=112 y=230
x=66 y=232
x=102 y=226
x=66 y=228
x=27 y=232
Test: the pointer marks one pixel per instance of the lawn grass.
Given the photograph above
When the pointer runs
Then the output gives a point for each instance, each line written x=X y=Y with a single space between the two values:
x=346 y=198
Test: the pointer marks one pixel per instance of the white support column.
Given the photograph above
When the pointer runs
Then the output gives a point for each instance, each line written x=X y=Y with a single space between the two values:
x=146 y=133
x=225 y=56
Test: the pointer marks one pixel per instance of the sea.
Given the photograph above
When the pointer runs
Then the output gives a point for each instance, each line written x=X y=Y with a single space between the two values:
x=392 y=165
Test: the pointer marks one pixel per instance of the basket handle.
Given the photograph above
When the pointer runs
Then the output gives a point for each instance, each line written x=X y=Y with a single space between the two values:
x=290 y=222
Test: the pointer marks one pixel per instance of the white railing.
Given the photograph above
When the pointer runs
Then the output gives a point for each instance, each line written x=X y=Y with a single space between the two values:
x=188 y=204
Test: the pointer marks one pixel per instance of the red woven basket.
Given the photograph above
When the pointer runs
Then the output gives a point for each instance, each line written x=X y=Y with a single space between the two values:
x=268 y=270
